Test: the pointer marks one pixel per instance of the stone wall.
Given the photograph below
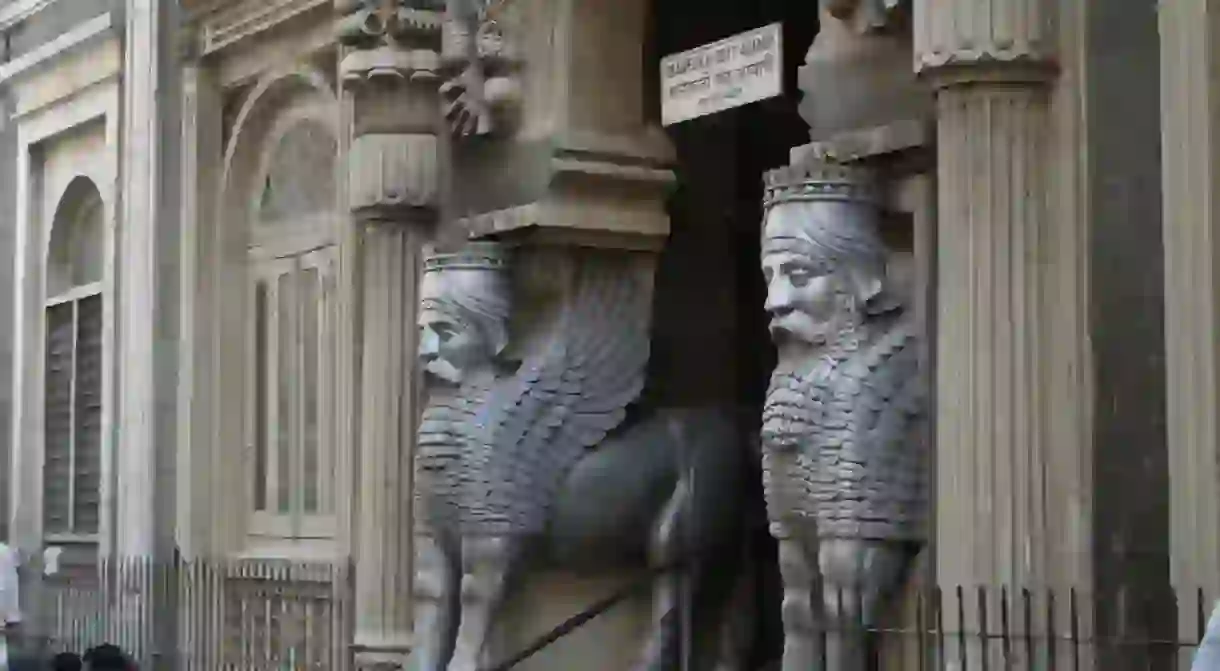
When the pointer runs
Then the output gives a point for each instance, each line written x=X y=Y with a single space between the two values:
x=1130 y=533
x=8 y=166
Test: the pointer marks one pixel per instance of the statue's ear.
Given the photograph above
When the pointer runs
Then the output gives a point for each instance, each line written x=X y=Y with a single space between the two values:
x=865 y=285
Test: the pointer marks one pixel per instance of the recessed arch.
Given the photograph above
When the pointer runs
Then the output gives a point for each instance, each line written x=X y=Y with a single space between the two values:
x=269 y=296
x=298 y=173
x=272 y=93
x=75 y=247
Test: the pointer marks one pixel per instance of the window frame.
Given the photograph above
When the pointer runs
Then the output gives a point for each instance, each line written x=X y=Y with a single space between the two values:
x=70 y=209
x=74 y=297
x=274 y=248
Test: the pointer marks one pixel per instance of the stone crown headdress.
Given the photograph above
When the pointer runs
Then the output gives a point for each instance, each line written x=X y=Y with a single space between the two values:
x=475 y=299
x=820 y=180
x=473 y=256
x=826 y=240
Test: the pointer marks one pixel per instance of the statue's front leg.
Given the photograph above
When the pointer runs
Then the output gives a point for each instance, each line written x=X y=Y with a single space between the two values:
x=802 y=650
x=486 y=563
x=437 y=606
x=856 y=576
x=664 y=647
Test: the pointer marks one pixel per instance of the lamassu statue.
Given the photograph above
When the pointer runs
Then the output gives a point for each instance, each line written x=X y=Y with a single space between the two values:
x=535 y=451
x=843 y=459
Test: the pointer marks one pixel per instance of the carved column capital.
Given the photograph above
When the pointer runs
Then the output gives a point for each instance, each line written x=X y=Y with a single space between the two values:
x=390 y=72
x=393 y=177
x=984 y=40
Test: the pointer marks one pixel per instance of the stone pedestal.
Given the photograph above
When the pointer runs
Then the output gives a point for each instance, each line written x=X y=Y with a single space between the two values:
x=858 y=76
x=390 y=77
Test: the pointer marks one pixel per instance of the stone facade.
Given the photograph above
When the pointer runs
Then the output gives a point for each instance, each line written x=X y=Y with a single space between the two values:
x=271 y=184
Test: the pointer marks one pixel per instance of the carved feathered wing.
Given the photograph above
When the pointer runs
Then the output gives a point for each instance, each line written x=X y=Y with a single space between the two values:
x=887 y=460
x=567 y=398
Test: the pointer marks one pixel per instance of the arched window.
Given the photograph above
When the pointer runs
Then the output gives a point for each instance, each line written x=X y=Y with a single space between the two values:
x=292 y=262
x=73 y=390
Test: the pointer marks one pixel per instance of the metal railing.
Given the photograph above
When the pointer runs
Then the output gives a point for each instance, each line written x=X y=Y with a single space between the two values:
x=222 y=615
x=992 y=629
x=278 y=615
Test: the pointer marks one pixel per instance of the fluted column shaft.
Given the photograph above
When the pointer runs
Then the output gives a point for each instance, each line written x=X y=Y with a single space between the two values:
x=388 y=411
x=390 y=77
x=1190 y=102
x=1012 y=393
x=990 y=420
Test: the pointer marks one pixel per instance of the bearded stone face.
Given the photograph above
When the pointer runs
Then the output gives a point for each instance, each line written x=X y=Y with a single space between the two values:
x=819 y=275
x=802 y=300
x=449 y=349
x=455 y=341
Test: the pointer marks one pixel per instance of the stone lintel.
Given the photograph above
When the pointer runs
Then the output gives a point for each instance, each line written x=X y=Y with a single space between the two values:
x=588 y=190
x=860 y=144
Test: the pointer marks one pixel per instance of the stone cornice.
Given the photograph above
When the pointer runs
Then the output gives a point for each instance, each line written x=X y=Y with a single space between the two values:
x=602 y=191
x=79 y=36
x=20 y=10
x=222 y=23
x=985 y=40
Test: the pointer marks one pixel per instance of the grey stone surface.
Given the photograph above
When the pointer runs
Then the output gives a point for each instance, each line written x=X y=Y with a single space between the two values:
x=8 y=228
x=535 y=453
x=858 y=71
x=55 y=20
x=19 y=40
x=844 y=467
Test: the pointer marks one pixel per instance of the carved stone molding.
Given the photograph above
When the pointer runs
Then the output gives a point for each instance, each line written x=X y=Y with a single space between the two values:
x=393 y=40
x=1002 y=36
x=599 y=191
x=225 y=23
x=391 y=175
x=391 y=72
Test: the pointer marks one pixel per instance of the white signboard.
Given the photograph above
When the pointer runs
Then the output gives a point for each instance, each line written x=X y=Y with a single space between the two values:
x=730 y=73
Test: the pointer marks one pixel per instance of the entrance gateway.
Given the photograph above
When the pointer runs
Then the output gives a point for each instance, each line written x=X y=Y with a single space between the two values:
x=622 y=281
x=544 y=481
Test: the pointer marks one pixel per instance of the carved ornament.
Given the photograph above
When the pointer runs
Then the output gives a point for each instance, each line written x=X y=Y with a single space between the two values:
x=392 y=176
x=482 y=88
x=1001 y=38
x=394 y=39
x=864 y=16
x=224 y=24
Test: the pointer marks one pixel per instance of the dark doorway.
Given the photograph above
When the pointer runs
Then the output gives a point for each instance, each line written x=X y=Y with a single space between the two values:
x=711 y=344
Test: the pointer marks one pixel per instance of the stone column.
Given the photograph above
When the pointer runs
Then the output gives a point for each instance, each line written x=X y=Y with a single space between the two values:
x=1012 y=391
x=137 y=314
x=1189 y=108
x=390 y=78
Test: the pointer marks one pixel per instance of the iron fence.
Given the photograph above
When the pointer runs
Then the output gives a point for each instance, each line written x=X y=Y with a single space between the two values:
x=265 y=615
x=203 y=615
x=985 y=629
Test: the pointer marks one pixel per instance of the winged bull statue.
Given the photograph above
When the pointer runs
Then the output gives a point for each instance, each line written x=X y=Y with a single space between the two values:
x=843 y=443
x=538 y=451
